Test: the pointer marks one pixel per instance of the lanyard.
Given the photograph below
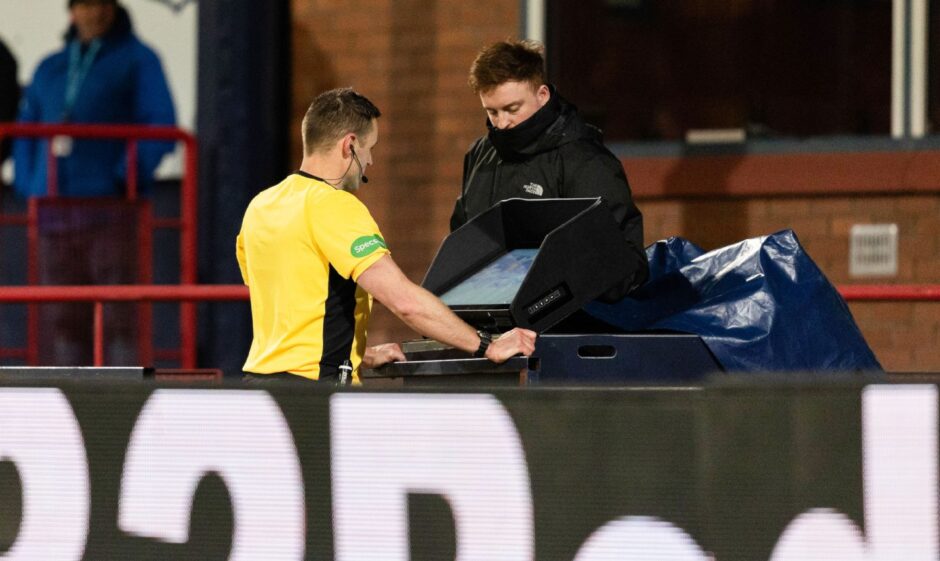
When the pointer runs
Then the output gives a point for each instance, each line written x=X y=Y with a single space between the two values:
x=79 y=65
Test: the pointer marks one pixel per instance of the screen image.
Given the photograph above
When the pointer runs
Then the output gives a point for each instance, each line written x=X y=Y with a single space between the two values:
x=496 y=283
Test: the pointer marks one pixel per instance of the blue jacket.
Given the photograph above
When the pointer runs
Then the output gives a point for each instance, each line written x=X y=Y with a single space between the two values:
x=124 y=85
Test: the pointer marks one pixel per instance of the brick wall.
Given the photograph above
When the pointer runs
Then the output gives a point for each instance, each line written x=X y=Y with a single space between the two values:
x=411 y=58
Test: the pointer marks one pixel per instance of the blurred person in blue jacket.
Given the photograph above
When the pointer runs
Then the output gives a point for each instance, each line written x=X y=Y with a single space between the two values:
x=103 y=75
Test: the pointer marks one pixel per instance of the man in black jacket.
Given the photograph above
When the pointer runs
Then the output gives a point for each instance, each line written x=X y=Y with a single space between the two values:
x=539 y=147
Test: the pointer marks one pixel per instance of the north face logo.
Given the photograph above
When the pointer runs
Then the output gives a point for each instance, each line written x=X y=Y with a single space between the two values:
x=533 y=189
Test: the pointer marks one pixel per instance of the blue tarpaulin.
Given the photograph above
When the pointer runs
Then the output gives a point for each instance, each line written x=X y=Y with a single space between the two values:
x=759 y=305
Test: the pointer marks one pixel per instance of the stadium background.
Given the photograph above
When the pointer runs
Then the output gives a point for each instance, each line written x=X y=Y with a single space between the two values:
x=259 y=64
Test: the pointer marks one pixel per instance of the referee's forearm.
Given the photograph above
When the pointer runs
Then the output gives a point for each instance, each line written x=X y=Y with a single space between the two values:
x=430 y=317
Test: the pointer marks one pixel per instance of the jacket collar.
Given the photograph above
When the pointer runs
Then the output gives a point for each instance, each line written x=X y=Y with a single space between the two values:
x=553 y=125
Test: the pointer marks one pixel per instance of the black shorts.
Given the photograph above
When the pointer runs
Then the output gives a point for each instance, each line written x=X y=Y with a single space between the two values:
x=281 y=377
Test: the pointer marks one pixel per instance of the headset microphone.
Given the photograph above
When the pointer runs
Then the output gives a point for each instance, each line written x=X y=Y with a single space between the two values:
x=362 y=172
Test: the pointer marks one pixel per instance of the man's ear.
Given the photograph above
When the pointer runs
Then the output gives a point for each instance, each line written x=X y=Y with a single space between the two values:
x=542 y=94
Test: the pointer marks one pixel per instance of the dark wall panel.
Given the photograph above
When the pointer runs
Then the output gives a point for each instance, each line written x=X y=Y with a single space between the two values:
x=244 y=89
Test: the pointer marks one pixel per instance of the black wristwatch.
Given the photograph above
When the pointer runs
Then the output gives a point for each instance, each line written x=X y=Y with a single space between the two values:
x=485 y=340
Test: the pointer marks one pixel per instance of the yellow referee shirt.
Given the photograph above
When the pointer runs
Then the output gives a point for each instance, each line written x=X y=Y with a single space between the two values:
x=301 y=247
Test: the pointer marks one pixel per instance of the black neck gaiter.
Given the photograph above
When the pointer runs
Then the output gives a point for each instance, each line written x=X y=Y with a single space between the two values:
x=511 y=143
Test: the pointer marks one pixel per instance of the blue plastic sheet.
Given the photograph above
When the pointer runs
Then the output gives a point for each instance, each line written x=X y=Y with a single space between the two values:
x=759 y=305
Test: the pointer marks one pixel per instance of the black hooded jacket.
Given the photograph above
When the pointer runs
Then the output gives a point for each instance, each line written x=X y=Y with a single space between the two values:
x=553 y=154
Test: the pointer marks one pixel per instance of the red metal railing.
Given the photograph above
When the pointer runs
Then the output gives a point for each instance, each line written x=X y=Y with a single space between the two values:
x=186 y=223
x=194 y=293
x=99 y=294
x=891 y=292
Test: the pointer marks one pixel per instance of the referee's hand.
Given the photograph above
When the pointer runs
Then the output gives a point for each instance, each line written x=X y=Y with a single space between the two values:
x=514 y=342
x=382 y=354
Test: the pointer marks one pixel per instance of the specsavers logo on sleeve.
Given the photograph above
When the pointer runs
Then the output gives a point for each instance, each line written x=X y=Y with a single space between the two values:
x=367 y=244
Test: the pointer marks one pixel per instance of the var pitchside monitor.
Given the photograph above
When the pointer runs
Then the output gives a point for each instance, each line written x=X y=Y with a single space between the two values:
x=487 y=270
x=494 y=284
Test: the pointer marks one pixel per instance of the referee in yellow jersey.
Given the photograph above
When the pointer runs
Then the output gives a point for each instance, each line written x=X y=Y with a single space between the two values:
x=313 y=258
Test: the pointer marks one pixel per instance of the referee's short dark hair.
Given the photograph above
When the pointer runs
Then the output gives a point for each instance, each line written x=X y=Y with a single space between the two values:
x=335 y=113
x=507 y=61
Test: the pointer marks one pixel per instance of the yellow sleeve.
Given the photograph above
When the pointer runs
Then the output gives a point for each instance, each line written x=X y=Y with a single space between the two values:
x=346 y=233
x=240 y=256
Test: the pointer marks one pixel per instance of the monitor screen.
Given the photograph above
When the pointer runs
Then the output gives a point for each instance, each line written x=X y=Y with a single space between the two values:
x=494 y=284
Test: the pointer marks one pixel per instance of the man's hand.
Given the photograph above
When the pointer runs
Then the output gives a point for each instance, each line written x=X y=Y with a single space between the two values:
x=382 y=354
x=510 y=344
x=426 y=314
